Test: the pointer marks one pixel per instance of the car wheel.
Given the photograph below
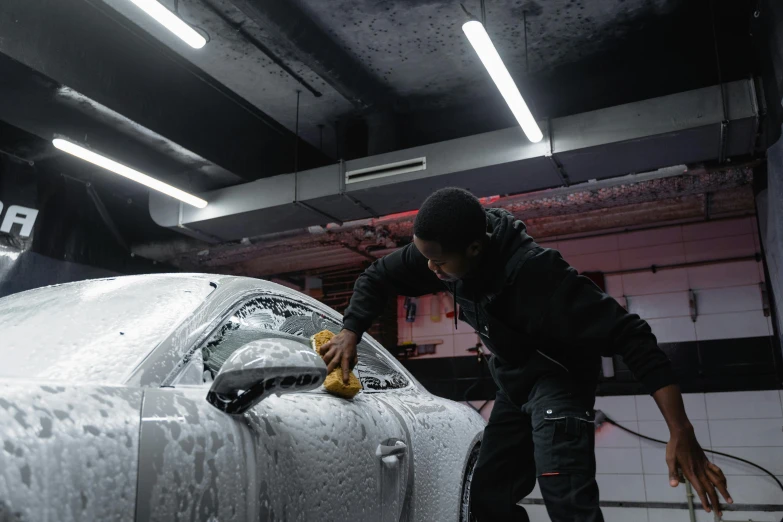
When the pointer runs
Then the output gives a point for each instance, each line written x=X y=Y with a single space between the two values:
x=465 y=514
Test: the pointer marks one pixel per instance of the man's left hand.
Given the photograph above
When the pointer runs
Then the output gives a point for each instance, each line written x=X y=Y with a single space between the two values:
x=684 y=452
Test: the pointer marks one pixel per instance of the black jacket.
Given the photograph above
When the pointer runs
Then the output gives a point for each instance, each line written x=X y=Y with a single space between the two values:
x=532 y=310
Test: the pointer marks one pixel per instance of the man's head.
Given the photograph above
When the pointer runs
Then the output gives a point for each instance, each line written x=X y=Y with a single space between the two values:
x=450 y=231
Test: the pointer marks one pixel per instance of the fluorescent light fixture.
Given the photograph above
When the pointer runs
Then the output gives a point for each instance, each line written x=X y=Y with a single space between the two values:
x=489 y=56
x=122 y=170
x=171 y=22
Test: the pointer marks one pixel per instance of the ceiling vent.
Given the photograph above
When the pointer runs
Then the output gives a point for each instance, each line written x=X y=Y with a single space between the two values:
x=686 y=128
x=385 y=171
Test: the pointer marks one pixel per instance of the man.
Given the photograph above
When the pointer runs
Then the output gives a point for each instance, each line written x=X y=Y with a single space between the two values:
x=547 y=328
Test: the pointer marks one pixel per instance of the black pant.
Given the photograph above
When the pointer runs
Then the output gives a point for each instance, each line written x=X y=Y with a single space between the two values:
x=551 y=437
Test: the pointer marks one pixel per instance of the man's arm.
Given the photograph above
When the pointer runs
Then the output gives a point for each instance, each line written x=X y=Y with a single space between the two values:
x=403 y=272
x=684 y=453
x=579 y=312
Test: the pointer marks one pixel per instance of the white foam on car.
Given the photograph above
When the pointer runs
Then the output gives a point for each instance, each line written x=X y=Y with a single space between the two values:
x=93 y=331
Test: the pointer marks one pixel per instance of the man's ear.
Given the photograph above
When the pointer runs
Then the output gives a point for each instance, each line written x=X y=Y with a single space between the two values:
x=474 y=249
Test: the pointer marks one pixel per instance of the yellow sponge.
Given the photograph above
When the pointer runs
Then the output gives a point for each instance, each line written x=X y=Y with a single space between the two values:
x=334 y=381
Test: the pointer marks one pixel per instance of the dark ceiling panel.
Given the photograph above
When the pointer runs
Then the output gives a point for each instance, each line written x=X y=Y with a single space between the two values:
x=310 y=43
x=88 y=47
x=33 y=103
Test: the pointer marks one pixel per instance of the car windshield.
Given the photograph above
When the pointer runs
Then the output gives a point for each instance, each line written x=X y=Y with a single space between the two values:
x=93 y=331
x=273 y=315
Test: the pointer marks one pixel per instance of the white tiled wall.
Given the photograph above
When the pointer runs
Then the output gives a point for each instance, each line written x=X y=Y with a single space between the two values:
x=728 y=295
x=746 y=424
x=455 y=341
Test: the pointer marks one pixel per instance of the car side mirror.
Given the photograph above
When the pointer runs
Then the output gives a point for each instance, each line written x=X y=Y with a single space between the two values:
x=261 y=368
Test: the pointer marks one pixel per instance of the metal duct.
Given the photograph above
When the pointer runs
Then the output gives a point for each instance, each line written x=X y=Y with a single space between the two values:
x=684 y=128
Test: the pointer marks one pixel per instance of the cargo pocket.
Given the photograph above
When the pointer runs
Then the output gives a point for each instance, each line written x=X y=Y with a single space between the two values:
x=564 y=439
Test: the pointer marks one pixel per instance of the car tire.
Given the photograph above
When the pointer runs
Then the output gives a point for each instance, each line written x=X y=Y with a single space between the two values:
x=465 y=513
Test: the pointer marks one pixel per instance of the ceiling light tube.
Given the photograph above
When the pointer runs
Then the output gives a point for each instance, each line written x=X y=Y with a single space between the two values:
x=171 y=22
x=489 y=56
x=127 y=172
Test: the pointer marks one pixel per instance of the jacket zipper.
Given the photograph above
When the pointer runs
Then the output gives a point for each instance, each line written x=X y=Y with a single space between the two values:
x=554 y=361
x=456 y=314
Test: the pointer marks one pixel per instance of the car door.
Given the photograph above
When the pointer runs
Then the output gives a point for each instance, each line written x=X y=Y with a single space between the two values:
x=299 y=456
x=323 y=458
x=195 y=462
x=380 y=382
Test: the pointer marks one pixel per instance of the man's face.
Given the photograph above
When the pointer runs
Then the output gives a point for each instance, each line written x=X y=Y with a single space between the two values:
x=448 y=266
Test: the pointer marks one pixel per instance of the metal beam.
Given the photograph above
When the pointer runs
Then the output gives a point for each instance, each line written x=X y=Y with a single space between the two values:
x=39 y=106
x=119 y=66
x=106 y=217
x=639 y=137
x=239 y=28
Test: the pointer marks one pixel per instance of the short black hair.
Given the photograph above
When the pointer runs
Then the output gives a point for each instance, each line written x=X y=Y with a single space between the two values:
x=452 y=217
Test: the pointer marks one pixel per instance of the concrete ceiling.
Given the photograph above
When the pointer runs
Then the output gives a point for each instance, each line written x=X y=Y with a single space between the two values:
x=379 y=75
x=248 y=60
x=372 y=76
x=419 y=50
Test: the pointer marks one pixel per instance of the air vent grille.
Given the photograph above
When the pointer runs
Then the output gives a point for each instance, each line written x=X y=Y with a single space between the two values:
x=387 y=170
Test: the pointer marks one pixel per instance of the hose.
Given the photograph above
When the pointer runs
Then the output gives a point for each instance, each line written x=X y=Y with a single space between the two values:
x=605 y=418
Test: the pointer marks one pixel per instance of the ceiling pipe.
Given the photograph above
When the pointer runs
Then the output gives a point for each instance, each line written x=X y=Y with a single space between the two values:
x=162 y=100
x=386 y=231
x=682 y=128
x=255 y=42
x=44 y=108
x=313 y=47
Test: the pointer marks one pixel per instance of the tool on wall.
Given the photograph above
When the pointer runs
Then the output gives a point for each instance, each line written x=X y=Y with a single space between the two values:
x=410 y=310
x=427 y=347
x=448 y=309
x=435 y=308
x=405 y=350
x=478 y=349
x=410 y=349
x=693 y=305
x=764 y=299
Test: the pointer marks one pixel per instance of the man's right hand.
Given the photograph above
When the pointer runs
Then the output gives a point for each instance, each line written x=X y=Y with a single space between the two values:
x=341 y=351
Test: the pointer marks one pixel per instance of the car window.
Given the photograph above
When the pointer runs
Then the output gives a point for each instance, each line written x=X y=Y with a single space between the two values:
x=263 y=316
